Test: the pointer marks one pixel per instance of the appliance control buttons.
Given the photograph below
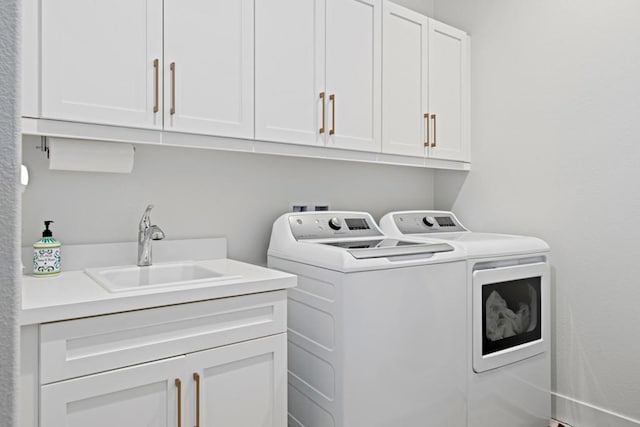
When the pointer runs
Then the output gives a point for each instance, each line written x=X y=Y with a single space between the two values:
x=334 y=223
x=428 y=221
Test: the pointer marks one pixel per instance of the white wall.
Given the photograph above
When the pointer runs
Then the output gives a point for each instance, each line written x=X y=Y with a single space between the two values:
x=556 y=154
x=9 y=212
x=423 y=6
x=200 y=193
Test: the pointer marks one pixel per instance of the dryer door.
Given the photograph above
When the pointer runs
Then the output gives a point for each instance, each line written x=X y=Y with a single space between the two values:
x=510 y=312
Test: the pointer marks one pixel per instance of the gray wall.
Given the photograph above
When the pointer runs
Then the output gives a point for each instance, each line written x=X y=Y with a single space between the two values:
x=9 y=212
x=556 y=153
x=199 y=193
x=423 y=6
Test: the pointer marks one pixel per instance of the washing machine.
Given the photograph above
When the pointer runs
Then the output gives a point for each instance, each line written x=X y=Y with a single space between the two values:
x=376 y=325
x=509 y=368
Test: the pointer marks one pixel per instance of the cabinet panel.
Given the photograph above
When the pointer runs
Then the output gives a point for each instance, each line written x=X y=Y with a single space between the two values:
x=240 y=376
x=98 y=61
x=449 y=91
x=209 y=89
x=84 y=346
x=353 y=73
x=289 y=70
x=143 y=395
x=404 y=85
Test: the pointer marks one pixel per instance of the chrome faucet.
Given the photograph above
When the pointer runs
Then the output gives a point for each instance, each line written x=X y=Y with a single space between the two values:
x=146 y=233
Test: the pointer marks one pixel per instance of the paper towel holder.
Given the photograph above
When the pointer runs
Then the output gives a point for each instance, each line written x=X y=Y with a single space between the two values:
x=44 y=146
x=81 y=155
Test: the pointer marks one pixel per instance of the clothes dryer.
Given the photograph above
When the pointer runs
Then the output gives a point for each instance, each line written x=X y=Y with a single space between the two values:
x=508 y=369
x=376 y=332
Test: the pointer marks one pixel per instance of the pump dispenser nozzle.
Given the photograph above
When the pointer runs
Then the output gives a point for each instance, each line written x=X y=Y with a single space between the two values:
x=47 y=232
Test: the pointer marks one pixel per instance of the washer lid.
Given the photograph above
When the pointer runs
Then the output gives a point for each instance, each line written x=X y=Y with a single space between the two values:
x=385 y=248
x=478 y=245
x=445 y=227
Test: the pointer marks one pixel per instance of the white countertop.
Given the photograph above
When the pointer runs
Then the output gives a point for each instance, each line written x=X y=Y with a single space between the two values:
x=74 y=294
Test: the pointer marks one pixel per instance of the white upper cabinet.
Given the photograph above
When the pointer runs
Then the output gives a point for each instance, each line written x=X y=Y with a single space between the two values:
x=363 y=75
x=100 y=61
x=208 y=47
x=354 y=45
x=103 y=62
x=449 y=92
x=405 y=72
x=316 y=94
x=290 y=72
x=425 y=87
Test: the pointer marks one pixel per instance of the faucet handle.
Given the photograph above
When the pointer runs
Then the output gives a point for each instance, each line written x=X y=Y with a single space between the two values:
x=157 y=233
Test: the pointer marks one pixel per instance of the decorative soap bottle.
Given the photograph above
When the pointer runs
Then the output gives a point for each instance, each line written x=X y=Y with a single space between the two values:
x=46 y=254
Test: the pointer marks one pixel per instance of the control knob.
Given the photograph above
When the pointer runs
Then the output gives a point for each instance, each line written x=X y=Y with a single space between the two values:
x=428 y=221
x=335 y=223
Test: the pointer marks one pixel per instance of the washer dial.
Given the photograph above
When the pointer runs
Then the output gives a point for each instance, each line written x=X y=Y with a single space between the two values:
x=335 y=224
x=429 y=221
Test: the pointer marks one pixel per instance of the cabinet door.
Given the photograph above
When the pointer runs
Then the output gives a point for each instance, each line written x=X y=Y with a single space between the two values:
x=290 y=71
x=98 y=61
x=241 y=384
x=143 y=395
x=208 y=46
x=404 y=81
x=449 y=92
x=353 y=73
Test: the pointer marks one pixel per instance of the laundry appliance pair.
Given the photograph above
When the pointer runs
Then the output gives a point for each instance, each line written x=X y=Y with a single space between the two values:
x=416 y=322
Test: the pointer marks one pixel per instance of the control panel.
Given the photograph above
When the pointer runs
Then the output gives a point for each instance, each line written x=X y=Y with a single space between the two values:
x=332 y=224
x=427 y=222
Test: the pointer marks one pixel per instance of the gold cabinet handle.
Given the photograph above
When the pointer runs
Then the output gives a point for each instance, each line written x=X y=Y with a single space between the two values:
x=332 y=99
x=179 y=387
x=433 y=144
x=156 y=84
x=196 y=377
x=426 y=132
x=172 y=67
x=323 y=112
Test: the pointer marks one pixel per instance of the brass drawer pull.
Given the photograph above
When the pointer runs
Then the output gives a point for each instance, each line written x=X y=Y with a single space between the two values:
x=196 y=377
x=172 y=66
x=323 y=112
x=332 y=99
x=156 y=73
x=433 y=144
x=426 y=132
x=179 y=387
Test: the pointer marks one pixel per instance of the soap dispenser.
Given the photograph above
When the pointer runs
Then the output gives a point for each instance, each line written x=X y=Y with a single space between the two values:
x=46 y=254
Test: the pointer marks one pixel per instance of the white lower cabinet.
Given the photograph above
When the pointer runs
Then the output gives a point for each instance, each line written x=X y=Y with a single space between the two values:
x=141 y=395
x=239 y=385
x=219 y=362
x=236 y=385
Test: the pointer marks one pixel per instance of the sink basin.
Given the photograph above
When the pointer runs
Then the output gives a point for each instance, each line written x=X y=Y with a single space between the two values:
x=131 y=278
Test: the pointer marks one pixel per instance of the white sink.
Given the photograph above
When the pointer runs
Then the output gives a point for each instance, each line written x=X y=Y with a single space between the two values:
x=133 y=278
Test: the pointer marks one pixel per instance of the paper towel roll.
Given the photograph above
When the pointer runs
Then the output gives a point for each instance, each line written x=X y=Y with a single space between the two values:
x=90 y=156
